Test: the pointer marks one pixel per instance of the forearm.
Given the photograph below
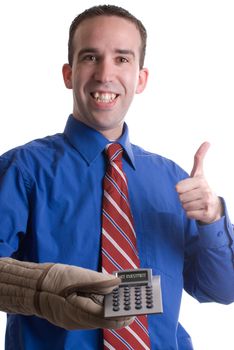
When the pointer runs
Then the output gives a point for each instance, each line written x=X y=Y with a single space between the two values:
x=19 y=285
x=209 y=270
x=67 y=296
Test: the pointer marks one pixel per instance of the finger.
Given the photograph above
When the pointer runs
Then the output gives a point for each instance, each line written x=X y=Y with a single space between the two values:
x=190 y=197
x=93 y=314
x=120 y=323
x=197 y=204
x=197 y=215
x=198 y=159
x=189 y=184
x=99 y=287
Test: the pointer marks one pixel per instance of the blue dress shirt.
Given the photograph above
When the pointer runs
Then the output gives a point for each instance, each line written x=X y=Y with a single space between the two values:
x=50 y=211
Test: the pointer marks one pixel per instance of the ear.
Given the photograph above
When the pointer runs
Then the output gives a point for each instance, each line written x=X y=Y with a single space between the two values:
x=142 y=80
x=67 y=75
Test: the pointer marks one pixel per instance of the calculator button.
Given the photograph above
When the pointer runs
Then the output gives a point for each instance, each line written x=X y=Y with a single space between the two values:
x=126 y=300
x=127 y=296
x=149 y=296
x=127 y=307
x=116 y=308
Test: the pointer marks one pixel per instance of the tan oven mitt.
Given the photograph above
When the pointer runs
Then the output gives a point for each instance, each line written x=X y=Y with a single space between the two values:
x=67 y=296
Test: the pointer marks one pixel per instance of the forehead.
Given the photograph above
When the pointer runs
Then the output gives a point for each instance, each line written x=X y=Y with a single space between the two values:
x=107 y=32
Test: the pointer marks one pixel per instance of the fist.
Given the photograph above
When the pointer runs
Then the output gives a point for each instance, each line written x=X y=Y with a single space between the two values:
x=196 y=196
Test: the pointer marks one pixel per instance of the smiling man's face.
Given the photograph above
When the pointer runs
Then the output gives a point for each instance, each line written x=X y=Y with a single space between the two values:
x=105 y=74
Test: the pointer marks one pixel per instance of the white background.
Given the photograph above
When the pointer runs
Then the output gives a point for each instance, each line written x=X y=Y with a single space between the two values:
x=189 y=99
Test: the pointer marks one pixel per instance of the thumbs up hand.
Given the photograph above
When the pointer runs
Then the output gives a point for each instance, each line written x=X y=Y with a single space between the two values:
x=196 y=197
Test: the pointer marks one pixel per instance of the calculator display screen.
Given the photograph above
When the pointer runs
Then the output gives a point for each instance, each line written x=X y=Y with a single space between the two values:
x=137 y=276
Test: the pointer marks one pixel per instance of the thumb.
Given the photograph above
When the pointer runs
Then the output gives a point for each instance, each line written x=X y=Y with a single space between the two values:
x=198 y=159
x=98 y=287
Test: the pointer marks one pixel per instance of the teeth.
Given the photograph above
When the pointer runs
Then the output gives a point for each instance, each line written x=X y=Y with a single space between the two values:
x=104 y=97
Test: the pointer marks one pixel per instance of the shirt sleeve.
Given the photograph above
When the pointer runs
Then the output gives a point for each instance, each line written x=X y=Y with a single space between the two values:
x=13 y=205
x=209 y=262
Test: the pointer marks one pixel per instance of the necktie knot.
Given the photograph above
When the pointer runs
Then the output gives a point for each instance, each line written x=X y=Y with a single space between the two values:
x=114 y=152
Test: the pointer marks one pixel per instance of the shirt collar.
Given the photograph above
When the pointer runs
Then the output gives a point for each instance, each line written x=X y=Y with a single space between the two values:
x=90 y=143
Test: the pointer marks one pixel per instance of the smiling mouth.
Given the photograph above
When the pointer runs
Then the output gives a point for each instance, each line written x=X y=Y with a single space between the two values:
x=104 y=97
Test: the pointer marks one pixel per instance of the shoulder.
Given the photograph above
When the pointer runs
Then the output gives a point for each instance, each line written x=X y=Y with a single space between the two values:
x=34 y=152
x=154 y=161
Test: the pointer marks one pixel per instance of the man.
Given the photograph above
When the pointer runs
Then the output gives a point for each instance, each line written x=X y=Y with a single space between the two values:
x=51 y=205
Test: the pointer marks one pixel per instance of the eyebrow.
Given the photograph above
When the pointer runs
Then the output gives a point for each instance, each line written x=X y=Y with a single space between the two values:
x=87 y=50
x=126 y=52
x=94 y=50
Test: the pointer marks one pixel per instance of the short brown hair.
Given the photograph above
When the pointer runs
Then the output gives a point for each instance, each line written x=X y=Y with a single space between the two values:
x=106 y=10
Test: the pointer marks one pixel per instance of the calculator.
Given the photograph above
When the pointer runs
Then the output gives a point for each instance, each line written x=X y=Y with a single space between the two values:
x=138 y=293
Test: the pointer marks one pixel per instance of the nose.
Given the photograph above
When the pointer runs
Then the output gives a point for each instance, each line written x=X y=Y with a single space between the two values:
x=104 y=71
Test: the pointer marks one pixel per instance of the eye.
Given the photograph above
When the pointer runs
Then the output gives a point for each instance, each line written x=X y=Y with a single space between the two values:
x=90 y=58
x=123 y=60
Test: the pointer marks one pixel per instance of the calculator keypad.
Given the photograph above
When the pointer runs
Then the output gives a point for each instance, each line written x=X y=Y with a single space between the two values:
x=134 y=300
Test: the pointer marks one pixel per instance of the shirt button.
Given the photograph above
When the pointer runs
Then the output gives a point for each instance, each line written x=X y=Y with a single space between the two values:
x=220 y=233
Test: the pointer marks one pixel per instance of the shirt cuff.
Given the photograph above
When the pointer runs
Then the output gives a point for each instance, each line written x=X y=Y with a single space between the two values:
x=218 y=233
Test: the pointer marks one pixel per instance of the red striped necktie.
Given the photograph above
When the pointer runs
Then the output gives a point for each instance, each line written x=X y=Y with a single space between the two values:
x=119 y=249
